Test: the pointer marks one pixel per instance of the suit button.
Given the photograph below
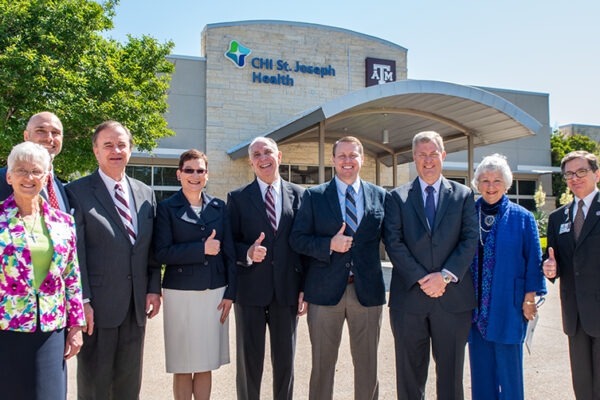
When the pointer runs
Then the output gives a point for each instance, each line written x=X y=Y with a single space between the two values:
x=129 y=276
x=576 y=273
x=205 y=262
x=347 y=265
x=179 y=270
x=202 y=228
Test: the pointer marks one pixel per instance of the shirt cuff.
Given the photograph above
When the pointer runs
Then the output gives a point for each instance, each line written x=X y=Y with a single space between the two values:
x=248 y=261
x=454 y=278
x=86 y=301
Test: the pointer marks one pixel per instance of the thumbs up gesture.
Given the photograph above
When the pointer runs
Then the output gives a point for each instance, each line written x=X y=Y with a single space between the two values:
x=212 y=246
x=549 y=265
x=256 y=252
x=340 y=242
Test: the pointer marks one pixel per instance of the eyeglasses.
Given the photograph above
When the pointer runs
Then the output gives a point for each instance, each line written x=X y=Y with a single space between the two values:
x=580 y=173
x=190 y=171
x=36 y=173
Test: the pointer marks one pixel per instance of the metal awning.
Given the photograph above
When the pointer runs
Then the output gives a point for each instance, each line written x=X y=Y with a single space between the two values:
x=460 y=114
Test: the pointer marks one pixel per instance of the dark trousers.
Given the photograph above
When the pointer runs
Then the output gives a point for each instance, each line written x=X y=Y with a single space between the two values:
x=109 y=365
x=584 y=352
x=33 y=365
x=446 y=333
x=496 y=369
x=250 y=324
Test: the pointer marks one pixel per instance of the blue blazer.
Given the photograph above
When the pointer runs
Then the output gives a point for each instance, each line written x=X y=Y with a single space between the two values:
x=279 y=275
x=318 y=220
x=179 y=235
x=516 y=272
x=6 y=189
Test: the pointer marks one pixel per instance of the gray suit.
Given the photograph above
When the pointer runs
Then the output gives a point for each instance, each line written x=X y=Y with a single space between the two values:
x=416 y=250
x=116 y=276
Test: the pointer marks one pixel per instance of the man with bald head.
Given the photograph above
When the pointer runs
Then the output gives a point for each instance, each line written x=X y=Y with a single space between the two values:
x=44 y=129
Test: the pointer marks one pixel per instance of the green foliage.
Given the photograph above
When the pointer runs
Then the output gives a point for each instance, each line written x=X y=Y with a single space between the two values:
x=53 y=58
x=561 y=146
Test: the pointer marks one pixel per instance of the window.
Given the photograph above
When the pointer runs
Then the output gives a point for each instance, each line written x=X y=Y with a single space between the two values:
x=457 y=179
x=163 y=180
x=522 y=191
x=306 y=175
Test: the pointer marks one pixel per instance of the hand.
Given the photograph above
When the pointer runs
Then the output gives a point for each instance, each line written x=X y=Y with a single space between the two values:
x=212 y=246
x=302 y=305
x=340 y=242
x=256 y=252
x=74 y=342
x=529 y=310
x=88 y=313
x=225 y=305
x=433 y=284
x=549 y=265
x=152 y=304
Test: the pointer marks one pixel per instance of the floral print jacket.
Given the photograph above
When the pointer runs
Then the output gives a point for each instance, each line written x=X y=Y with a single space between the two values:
x=60 y=301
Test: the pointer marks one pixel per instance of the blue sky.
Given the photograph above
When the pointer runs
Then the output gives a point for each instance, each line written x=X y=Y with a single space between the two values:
x=541 y=46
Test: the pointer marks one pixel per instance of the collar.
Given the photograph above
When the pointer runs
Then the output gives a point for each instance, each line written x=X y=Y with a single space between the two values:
x=110 y=182
x=342 y=187
x=436 y=185
x=587 y=200
x=276 y=185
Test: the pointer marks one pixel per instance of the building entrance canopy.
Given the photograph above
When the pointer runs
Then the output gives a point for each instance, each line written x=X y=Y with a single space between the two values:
x=386 y=117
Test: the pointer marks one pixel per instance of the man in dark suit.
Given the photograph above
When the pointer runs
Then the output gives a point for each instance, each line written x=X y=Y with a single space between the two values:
x=269 y=273
x=339 y=228
x=430 y=237
x=44 y=129
x=572 y=255
x=121 y=284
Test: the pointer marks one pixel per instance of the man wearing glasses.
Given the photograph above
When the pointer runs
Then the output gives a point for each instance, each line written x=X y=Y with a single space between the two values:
x=572 y=255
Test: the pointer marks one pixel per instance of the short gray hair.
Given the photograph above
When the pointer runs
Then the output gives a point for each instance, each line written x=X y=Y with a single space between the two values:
x=29 y=152
x=493 y=163
x=262 y=139
x=426 y=137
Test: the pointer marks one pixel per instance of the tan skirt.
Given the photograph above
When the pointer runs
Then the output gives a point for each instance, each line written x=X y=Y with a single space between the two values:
x=195 y=339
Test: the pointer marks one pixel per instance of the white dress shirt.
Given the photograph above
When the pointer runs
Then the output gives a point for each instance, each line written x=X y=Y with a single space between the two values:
x=587 y=201
x=110 y=186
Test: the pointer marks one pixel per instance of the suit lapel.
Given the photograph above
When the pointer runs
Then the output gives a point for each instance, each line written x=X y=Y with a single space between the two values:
x=104 y=198
x=443 y=200
x=368 y=202
x=286 y=207
x=332 y=197
x=257 y=200
x=590 y=220
x=416 y=199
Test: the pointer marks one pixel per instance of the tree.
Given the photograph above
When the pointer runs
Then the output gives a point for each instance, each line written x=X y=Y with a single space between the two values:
x=53 y=58
x=561 y=146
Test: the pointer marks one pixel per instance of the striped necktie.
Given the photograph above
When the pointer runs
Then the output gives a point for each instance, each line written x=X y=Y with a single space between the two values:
x=270 y=206
x=351 y=214
x=124 y=212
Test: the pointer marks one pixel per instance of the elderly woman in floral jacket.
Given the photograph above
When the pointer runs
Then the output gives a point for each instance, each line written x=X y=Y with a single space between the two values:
x=40 y=288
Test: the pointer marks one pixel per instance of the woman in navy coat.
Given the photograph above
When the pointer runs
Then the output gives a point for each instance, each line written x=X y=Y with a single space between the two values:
x=507 y=277
x=192 y=236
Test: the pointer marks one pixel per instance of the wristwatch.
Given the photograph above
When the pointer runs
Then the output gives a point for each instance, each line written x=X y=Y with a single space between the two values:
x=447 y=277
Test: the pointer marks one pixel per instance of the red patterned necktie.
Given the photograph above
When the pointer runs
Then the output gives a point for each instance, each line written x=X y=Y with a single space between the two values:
x=51 y=193
x=124 y=212
x=270 y=205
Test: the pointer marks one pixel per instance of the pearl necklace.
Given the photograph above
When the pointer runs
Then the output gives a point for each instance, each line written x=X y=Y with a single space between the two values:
x=489 y=221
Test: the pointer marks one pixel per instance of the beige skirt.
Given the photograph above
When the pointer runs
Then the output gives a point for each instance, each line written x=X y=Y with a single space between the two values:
x=195 y=339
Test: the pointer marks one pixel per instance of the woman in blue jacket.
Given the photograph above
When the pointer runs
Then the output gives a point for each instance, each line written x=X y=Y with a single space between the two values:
x=507 y=276
x=192 y=236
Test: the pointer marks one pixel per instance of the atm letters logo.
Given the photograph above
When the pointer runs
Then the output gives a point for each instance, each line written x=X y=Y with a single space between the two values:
x=237 y=53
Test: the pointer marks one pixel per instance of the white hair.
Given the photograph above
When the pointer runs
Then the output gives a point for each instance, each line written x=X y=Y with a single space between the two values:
x=426 y=137
x=493 y=163
x=262 y=139
x=29 y=152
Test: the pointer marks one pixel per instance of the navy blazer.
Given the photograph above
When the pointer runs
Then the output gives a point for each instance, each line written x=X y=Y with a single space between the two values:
x=279 y=275
x=318 y=220
x=6 y=189
x=179 y=235
x=577 y=267
x=416 y=251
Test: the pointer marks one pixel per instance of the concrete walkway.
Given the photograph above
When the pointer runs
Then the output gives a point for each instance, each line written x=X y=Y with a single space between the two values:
x=547 y=372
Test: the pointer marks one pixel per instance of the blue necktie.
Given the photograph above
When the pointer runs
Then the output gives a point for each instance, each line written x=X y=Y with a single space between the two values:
x=351 y=218
x=430 y=206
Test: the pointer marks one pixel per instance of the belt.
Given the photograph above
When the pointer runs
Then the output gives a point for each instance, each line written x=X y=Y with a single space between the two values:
x=350 y=278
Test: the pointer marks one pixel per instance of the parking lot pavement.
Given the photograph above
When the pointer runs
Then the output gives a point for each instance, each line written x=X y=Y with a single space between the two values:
x=547 y=372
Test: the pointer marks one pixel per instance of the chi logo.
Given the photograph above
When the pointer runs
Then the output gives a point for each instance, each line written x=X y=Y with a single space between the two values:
x=237 y=53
